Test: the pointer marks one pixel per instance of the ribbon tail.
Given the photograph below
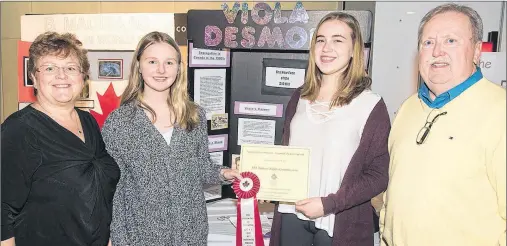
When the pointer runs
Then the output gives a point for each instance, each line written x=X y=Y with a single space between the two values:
x=238 y=224
x=248 y=229
x=259 y=239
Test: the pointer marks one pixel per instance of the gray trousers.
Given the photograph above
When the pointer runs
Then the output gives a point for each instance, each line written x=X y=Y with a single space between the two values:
x=296 y=232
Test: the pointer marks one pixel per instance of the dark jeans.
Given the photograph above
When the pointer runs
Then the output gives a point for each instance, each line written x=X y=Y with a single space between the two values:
x=296 y=232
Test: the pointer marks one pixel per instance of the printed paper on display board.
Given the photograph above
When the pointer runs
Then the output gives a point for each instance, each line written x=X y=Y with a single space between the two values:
x=217 y=142
x=209 y=90
x=285 y=77
x=255 y=131
x=208 y=57
x=217 y=157
x=261 y=109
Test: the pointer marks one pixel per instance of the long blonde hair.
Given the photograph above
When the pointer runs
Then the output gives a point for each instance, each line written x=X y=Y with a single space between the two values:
x=354 y=79
x=185 y=111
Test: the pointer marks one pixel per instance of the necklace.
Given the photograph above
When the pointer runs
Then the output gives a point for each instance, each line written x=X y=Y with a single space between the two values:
x=77 y=123
x=79 y=130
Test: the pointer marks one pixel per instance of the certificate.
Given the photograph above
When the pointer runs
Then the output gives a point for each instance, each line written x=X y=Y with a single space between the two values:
x=282 y=170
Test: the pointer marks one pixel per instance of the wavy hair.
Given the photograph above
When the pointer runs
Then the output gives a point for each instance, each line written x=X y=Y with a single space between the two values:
x=354 y=79
x=61 y=45
x=185 y=111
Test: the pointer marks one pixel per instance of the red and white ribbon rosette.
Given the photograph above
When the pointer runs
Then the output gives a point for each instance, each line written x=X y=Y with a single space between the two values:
x=248 y=229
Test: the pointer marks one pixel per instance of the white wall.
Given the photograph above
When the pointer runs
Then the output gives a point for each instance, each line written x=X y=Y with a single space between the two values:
x=394 y=63
x=503 y=39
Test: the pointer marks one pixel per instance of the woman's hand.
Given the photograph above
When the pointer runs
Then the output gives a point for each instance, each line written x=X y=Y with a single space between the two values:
x=8 y=242
x=230 y=174
x=312 y=207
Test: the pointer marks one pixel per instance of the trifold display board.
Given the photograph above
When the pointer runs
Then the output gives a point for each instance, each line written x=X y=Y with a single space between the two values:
x=243 y=68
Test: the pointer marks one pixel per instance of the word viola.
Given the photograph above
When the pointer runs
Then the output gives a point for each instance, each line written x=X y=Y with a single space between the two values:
x=298 y=13
x=294 y=37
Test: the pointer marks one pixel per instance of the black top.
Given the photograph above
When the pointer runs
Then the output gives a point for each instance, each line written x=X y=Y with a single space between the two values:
x=56 y=189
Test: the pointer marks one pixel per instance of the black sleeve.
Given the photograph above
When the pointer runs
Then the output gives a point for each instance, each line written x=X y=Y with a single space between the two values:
x=20 y=157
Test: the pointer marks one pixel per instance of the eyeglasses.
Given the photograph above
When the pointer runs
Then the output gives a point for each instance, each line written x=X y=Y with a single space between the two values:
x=53 y=69
x=223 y=218
x=423 y=133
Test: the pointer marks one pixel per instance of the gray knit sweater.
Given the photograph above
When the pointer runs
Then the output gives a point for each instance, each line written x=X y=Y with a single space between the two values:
x=159 y=199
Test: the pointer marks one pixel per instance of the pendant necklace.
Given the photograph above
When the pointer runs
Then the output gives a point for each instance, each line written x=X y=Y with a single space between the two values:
x=79 y=130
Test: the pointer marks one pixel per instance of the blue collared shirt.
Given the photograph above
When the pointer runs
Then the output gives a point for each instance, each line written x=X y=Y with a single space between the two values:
x=446 y=97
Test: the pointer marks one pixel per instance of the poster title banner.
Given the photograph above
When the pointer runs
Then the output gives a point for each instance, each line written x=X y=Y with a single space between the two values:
x=263 y=27
x=106 y=31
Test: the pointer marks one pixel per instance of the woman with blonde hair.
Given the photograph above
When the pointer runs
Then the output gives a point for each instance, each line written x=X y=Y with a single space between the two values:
x=159 y=139
x=346 y=126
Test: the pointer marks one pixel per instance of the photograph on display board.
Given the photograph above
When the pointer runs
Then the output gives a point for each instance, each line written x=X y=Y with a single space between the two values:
x=219 y=121
x=235 y=161
x=109 y=65
x=25 y=83
x=110 y=69
x=26 y=77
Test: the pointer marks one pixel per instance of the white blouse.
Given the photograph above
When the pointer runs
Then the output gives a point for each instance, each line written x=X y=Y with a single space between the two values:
x=168 y=135
x=333 y=136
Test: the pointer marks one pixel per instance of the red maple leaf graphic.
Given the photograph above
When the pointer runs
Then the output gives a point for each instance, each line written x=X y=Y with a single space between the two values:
x=108 y=102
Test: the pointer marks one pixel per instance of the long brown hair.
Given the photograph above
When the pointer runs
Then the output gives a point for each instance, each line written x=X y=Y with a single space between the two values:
x=354 y=79
x=185 y=111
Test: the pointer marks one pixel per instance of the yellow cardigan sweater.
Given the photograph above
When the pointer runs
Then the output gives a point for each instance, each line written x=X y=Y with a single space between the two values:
x=450 y=190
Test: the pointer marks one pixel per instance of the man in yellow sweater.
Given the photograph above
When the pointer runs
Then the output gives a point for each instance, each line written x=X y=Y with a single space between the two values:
x=447 y=144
